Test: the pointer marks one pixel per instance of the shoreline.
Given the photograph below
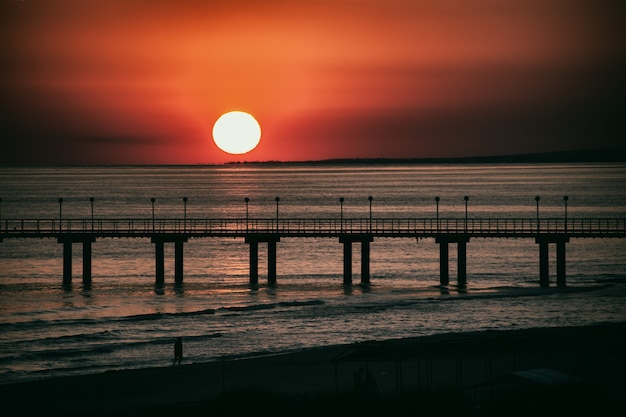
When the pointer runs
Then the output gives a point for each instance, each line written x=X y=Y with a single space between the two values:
x=466 y=363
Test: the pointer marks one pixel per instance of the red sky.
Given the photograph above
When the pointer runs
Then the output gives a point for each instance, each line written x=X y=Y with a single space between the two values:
x=142 y=81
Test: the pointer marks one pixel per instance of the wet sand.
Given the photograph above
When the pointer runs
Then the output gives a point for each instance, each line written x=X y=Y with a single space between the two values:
x=463 y=373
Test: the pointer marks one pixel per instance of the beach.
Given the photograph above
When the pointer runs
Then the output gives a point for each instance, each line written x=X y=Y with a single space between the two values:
x=464 y=367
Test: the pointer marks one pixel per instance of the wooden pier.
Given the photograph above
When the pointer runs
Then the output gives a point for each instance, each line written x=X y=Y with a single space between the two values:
x=444 y=231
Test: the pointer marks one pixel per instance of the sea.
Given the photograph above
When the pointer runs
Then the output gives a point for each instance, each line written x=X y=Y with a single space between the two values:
x=123 y=320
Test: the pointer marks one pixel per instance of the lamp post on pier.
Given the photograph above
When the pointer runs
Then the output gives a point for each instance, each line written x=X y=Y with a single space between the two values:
x=185 y=214
x=437 y=211
x=370 y=198
x=91 y=200
x=565 y=198
x=537 y=198
x=247 y=200
x=152 y=200
x=277 y=199
x=466 y=198
x=341 y=199
x=60 y=214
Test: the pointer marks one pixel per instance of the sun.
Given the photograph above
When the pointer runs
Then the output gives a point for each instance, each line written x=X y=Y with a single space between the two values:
x=236 y=132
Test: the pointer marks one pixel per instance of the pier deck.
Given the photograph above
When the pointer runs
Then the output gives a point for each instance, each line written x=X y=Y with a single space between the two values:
x=445 y=231
x=385 y=227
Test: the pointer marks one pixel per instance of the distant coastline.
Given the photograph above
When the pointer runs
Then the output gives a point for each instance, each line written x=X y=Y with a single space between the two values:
x=571 y=156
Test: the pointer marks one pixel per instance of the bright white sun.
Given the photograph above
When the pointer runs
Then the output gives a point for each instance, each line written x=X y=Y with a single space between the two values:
x=236 y=132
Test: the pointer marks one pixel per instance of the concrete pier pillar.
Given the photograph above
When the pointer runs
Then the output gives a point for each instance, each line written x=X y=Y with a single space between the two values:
x=365 y=262
x=253 y=240
x=347 y=262
x=544 y=278
x=462 y=263
x=271 y=262
x=254 y=261
x=560 y=263
x=67 y=262
x=347 y=241
x=87 y=262
x=443 y=264
x=160 y=262
x=178 y=262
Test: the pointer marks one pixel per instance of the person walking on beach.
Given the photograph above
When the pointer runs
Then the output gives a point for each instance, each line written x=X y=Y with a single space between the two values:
x=178 y=350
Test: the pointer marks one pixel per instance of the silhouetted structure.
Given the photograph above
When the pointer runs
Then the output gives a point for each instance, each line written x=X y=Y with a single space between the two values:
x=358 y=380
x=444 y=231
x=370 y=387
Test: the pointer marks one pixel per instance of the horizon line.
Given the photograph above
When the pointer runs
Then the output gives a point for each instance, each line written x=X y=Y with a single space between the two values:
x=563 y=156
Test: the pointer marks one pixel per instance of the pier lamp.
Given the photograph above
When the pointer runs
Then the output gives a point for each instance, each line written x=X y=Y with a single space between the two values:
x=60 y=213
x=91 y=200
x=247 y=200
x=565 y=198
x=537 y=198
x=185 y=214
x=370 y=198
x=152 y=200
x=277 y=199
x=437 y=211
x=341 y=200
x=466 y=198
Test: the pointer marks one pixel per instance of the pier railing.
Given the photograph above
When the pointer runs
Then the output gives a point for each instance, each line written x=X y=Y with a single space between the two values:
x=383 y=227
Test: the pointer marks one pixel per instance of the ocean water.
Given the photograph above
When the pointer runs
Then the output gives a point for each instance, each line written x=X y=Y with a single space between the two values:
x=124 y=321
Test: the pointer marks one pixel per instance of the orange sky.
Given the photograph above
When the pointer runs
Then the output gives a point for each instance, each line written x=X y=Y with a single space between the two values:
x=142 y=81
